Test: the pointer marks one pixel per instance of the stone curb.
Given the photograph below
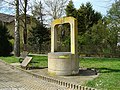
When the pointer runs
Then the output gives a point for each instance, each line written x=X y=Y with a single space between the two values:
x=71 y=86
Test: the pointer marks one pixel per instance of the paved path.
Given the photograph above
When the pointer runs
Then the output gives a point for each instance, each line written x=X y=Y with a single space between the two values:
x=80 y=79
x=14 y=79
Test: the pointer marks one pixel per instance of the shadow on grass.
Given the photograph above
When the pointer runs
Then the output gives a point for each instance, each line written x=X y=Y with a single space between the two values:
x=87 y=72
x=108 y=70
x=32 y=68
x=90 y=71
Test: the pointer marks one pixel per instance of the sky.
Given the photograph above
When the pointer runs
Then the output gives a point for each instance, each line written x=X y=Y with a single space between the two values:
x=101 y=6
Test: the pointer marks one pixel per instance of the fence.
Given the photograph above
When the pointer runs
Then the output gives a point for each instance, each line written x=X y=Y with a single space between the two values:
x=84 y=50
x=100 y=51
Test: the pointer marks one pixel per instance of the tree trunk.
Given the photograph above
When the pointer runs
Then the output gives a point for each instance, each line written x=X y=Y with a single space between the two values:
x=16 y=32
x=25 y=27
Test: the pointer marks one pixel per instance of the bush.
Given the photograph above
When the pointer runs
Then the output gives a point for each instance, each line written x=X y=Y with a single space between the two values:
x=39 y=35
x=5 y=45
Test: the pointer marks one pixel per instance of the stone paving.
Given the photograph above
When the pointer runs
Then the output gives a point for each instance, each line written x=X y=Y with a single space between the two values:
x=14 y=79
x=80 y=79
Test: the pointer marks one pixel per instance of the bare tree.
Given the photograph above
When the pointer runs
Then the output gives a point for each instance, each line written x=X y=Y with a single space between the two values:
x=17 y=34
x=1 y=2
x=37 y=11
x=6 y=5
x=21 y=8
x=55 y=8
x=25 y=25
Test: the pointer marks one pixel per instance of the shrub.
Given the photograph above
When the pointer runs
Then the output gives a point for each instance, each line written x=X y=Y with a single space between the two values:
x=5 y=45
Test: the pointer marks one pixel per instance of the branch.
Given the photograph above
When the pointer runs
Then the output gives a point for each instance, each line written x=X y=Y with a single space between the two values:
x=22 y=4
x=13 y=4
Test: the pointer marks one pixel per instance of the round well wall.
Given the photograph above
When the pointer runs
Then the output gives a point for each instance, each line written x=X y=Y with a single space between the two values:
x=62 y=63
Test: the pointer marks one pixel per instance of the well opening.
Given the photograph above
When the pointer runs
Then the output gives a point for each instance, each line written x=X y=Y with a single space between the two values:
x=63 y=37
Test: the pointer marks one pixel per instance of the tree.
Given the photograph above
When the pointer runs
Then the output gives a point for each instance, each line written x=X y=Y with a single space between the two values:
x=98 y=39
x=17 y=33
x=38 y=36
x=87 y=17
x=114 y=12
x=55 y=8
x=5 y=45
x=25 y=26
x=71 y=10
x=6 y=5
x=113 y=19
x=20 y=10
x=1 y=2
x=37 y=11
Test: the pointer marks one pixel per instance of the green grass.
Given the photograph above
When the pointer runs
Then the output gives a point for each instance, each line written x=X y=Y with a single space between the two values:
x=10 y=59
x=109 y=69
x=39 y=61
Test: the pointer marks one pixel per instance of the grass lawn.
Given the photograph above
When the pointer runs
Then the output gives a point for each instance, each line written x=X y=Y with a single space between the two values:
x=10 y=59
x=109 y=69
x=39 y=61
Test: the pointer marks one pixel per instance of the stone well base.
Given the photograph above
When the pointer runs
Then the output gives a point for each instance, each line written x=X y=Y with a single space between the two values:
x=62 y=63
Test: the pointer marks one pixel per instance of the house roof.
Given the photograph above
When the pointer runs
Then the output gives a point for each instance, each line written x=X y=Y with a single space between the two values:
x=6 y=18
x=9 y=18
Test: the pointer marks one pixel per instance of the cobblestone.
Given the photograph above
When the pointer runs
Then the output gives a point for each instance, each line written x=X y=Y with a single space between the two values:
x=13 y=79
